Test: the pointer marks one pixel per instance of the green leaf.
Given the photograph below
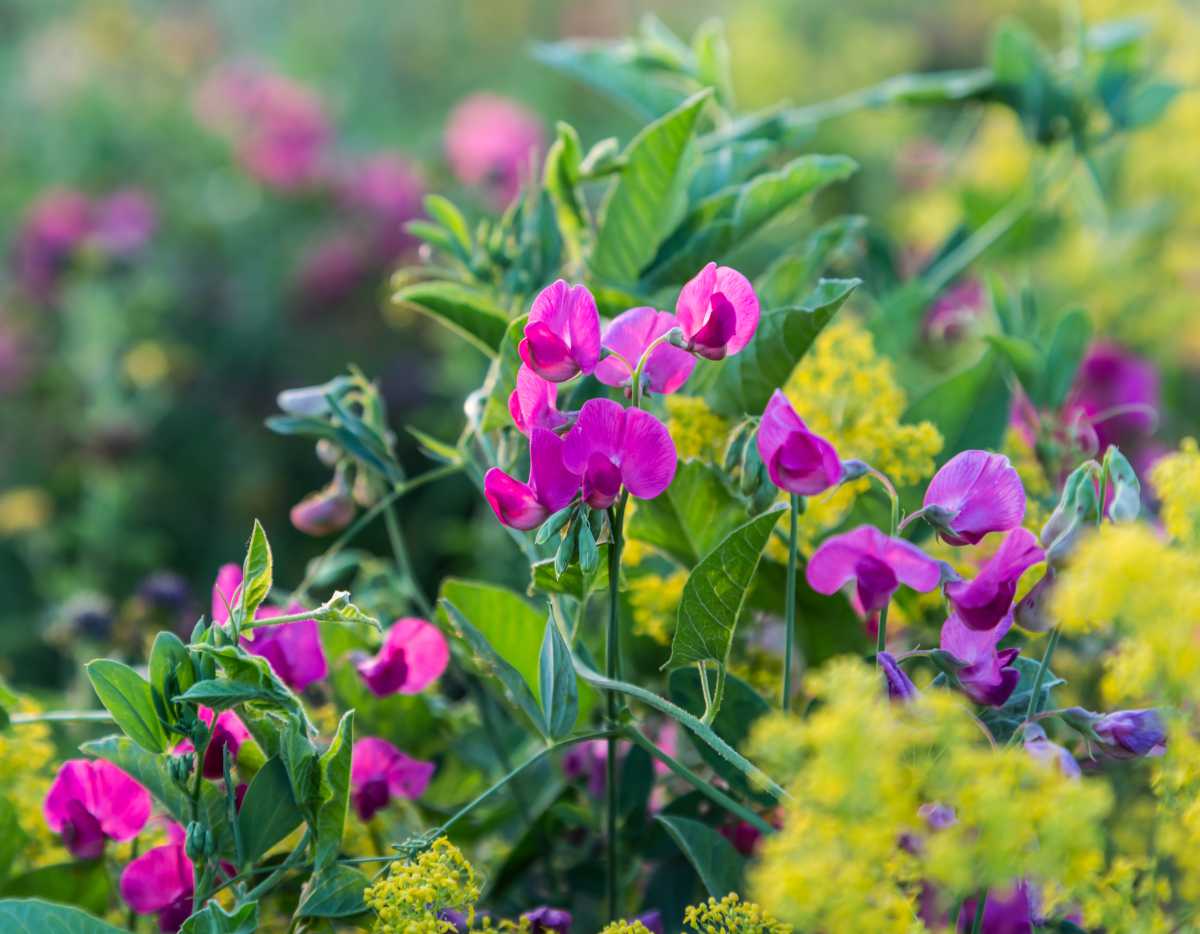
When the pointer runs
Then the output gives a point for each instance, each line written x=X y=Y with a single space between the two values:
x=13 y=839
x=303 y=767
x=129 y=699
x=716 y=591
x=561 y=177
x=745 y=382
x=470 y=313
x=635 y=782
x=970 y=409
x=1077 y=507
x=572 y=582
x=1063 y=356
x=83 y=884
x=720 y=867
x=253 y=672
x=615 y=69
x=559 y=689
x=335 y=892
x=171 y=671
x=335 y=782
x=1023 y=357
x=269 y=812
x=34 y=916
x=338 y=609
x=1003 y=721
x=649 y=197
x=256 y=572
x=1127 y=491
x=213 y=919
x=688 y=519
x=450 y=217
x=222 y=694
x=502 y=378
x=8 y=704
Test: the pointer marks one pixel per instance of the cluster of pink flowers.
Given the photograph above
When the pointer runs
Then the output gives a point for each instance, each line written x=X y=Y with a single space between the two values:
x=604 y=447
x=493 y=143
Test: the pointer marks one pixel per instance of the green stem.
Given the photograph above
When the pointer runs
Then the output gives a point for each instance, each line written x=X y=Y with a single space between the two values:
x=789 y=610
x=403 y=564
x=881 y=638
x=61 y=716
x=1039 y=677
x=273 y=879
x=641 y=366
x=612 y=669
x=980 y=908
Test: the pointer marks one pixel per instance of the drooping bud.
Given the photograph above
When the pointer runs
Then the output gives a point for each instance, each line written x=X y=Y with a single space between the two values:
x=324 y=512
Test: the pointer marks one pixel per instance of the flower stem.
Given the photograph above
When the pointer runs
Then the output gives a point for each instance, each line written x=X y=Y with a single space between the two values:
x=881 y=637
x=403 y=564
x=980 y=908
x=612 y=669
x=789 y=610
x=1040 y=676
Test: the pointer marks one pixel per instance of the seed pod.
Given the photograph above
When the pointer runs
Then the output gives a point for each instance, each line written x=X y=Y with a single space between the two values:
x=589 y=554
x=554 y=524
x=565 y=553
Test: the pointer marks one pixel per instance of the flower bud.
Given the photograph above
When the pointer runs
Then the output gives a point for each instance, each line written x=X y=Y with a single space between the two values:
x=199 y=842
x=324 y=512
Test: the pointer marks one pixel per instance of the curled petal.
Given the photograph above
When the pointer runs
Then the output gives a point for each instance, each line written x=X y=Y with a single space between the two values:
x=532 y=403
x=975 y=493
x=797 y=460
x=983 y=602
x=514 y=503
x=414 y=654
x=648 y=457
x=293 y=649
x=553 y=482
x=157 y=878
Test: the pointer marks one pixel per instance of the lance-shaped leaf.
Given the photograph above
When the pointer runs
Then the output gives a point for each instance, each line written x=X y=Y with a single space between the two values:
x=214 y=919
x=745 y=382
x=171 y=672
x=718 y=864
x=1066 y=350
x=335 y=782
x=649 y=197
x=470 y=313
x=256 y=573
x=558 y=686
x=335 y=892
x=687 y=520
x=268 y=812
x=716 y=591
x=222 y=694
x=128 y=697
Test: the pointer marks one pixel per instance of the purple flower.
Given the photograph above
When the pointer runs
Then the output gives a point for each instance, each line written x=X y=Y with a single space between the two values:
x=954 y=311
x=532 y=403
x=386 y=189
x=876 y=563
x=629 y=335
x=987 y=676
x=1038 y=745
x=797 y=460
x=551 y=485
x=899 y=685
x=611 y=446
x=652 y=920
x=1128 y=734
x=414 y=654
x=160 y=881
x=718 y=312
x=494 y=142
x=973 y=494
x=546 y=918
x=982 y=602
x=379 y=772
x=937 y=816
x=228 y=731
x=324 y=512
x=562 y=334
x=744 y=836
x=1011 y=912
x=124 y=222
x=1117 y=393
x=56 y=225
x=92 y=801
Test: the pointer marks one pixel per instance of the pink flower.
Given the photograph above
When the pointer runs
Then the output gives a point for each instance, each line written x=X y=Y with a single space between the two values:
x=718 y=312
x=982 y=602
x=55 y=226
x=1116 y=393
x=551 y=485
x=611 y=446
x=160 y=882
x=532 y=403
x=414 y=654
x=387 y=189
x=493 y=141
x=876 y=563
x=562 y=334
x=379 y=772
x=797 y=460
x=629 y=335
x=227 y=732
x=1005 y=912
x=988 y=677
x=324 y=512
x=331 y=269
x=955 y=310
x=973 y=494
x=91 y=801
x=124 y=222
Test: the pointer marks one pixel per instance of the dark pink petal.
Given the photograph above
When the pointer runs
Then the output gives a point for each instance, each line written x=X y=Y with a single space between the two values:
x=629 y=334
x=797 y=460
x=546 y=353
x=514 y=503
x=532 y=403
x=714 y=336
x=601 y=481
x=1116 y=392
x=293 y=649
x=779 y=421
x=157 y=878
x=226 y=592
x=409 y=777
x=982 y=602
x=414 y=654
x=379 y=771
x=979 y=493
x=227 y=731
x=584 y=324
x=554 y=483
x=81 y=833
x=648 y=457
x=691 y=309
x=875 y=583
x=738 y=291
x=832 y=565
x=562 y=335
x=988 y=677
x=913 y=567
x=599 y=428
x=72 y=783
x=117 y=804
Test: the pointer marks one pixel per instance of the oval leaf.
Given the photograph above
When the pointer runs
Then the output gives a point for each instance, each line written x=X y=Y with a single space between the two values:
x=558 y=684
x=34 y=916
x=129 y=699
x=268 y=812
x=467 y=312
x=718 y=864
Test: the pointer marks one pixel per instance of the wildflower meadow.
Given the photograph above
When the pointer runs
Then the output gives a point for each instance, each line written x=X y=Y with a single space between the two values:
x=651 y=505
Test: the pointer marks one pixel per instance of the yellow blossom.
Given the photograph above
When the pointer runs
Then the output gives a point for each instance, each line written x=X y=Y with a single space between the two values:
x=655 y=602
x=698 y=431
x=1176 y=480
x=731 y=915
x=408 y=899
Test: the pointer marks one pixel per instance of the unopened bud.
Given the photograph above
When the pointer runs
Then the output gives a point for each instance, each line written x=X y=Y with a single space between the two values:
x=324 y=512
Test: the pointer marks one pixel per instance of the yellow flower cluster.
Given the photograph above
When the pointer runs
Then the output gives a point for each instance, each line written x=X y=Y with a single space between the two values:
x=655 y=602
x=860 y=768
x=26 y=771
x=731 y=915
x=625 y=927
x=698 y=431
x=1176 y=479
x=407 y=900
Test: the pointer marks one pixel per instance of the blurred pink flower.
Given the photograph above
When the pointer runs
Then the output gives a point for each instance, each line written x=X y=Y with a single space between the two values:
x=1116 y=393
x=387 y=190
x=55 y=226
x=331 y=270
x=414 y=654
x=124 y=222
x=379 y=772
x=492 y=142
x=91 y=801
x=328 y=510
x=955 y=310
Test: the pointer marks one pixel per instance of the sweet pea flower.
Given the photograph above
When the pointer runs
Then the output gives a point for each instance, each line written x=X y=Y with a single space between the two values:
x=545 y=918
x=973 y=494
x=160 y=882
x=492 y=141
x=532 y=403
x=611 y=446
x=330 y=270
x=955 y=311
x=91 y=801
x=877 y=563
x=629 y=335
x=652 y=920
x=386 y=189
x=717 y=311
x=744 y=836
x=899 y=685
x=414 y=654
x=1129 y=734
x=328 y=510
x=1116 y=393
x=982 y=602
x=1038 y=745
x=56 y=224
x=987 y=676
x=124 y=222
x=227 y=731
x=1011 y=912
x=797 y=460
x=551 y=485
x=379 y=772
x=562 y=334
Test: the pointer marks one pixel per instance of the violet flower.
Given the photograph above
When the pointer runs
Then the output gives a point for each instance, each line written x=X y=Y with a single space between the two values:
x=797 y=460
x=124 y=222
x=551 y=485
x=160 y=882
x=1117 y=393
x=899 y=684
x=954 y=311
x=988 y=676
x=974 y=493
x=1129 y=734
x=379 y=772
x=328 y=510
x=91 y=801
x=1038 y=745
x=228 y=731
x=611 y=446
x=629 y=335
x=983 y=601
x=54 y=227
x=532 y=403
x=562 y=333
x=492 y=141
x=1011 y=912
x=877 y=563
x=545 y=918
x=414 y=655
x=717 y=311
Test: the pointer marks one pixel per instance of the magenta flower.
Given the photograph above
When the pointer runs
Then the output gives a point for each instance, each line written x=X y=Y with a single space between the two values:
x=1038 y=745
x=324 y=512
x=1011 y=912
x=899 y=684
x=551 y=485
x=611 y=446
x=955 y=311
x=797 y=460
x=973 y=494
x=55 y=226
x=744 y=836
x=988 y=676
x=630 y=334
x=1117 y=393
x=718 y=312
x=91 y=801
x=532 y=403
x=982 y=602
x=379 y=772
x=876 y=563
x=494 y=142
x=387 y=190
x=124 y=222
x=414 y=654
x=227 y=732
x=545 y=918
x=562 y=335
x=330 y=270
x=160 y=882
x=1129 y=734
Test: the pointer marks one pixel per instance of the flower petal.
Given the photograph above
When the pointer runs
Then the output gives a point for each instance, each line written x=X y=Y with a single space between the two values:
x=648 y=457
x=225 y=593
x=553 y=483
x=692 y=306
x=740 y=293
x=513 y=502
x=599 y=427
x=157 y=878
